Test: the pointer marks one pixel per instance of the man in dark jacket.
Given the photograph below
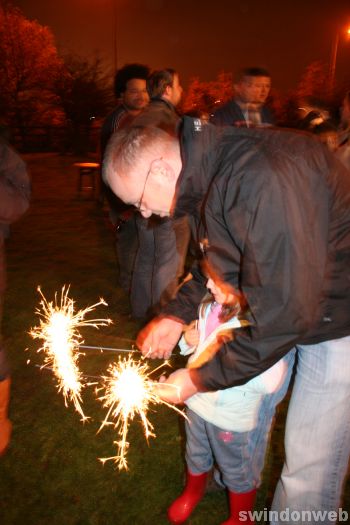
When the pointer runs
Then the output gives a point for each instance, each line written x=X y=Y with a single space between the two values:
x=14 y=201
x=247 y=109
x=274 y=222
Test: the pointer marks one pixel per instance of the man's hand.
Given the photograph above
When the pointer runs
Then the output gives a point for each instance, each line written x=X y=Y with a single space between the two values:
x=159 y=338
x=177 y=387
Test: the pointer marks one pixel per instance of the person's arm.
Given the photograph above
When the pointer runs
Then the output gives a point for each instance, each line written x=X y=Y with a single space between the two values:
x=279 y=224
x=190 y=338
x=14 y=185
x=159 y=337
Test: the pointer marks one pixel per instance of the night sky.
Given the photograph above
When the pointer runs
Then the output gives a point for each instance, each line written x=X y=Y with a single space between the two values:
x=200 y=38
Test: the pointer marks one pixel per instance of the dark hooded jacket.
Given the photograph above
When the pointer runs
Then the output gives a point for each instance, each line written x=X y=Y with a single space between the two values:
x=272 y=213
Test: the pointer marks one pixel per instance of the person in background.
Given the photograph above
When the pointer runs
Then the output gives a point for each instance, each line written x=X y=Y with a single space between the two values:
x=131 y=92
x=165 y=92
x=14 y=202
x=311 y=113
x=223 y=426
x=327 y=133
x=163 y=243
x=247 y=108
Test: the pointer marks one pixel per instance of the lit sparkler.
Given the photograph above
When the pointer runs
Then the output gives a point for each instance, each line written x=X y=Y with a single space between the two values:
x=128 y=390
x=58 y=329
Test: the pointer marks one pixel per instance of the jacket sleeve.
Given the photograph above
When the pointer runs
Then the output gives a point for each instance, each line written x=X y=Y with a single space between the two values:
x=14 y=185
x=269 y=238
x=185 y=305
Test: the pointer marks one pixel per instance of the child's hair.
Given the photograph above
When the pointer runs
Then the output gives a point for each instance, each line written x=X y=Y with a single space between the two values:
x=227 y=310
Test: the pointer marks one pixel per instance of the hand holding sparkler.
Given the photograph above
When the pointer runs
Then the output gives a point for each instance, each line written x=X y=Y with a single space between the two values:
x=129 y=391
x=177 y=387
x=159 y=337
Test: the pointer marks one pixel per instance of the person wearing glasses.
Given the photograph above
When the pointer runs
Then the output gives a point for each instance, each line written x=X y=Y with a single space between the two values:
x=275 y=222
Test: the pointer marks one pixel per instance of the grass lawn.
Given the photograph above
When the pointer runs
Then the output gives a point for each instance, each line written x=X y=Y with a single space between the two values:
x=51 y=474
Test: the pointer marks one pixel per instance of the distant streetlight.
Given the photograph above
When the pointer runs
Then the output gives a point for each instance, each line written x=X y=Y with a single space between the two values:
x=334 y=55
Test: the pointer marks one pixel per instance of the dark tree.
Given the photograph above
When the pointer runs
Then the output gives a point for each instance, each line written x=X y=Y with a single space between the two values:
x=85 y=94
x=29 y=68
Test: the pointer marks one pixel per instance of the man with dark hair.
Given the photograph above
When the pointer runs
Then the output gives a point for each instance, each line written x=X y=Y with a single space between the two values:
x=131 y=92
x=275 y=224
x=163 y=243
x=247 y=108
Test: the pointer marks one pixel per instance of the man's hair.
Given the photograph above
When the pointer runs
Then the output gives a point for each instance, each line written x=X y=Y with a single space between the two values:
x=252 y=72
x=158 y=81
x=126 y=73
x=126 y=147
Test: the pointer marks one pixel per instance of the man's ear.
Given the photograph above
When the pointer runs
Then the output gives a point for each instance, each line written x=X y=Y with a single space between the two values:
x=167 y=92
x=162 y=170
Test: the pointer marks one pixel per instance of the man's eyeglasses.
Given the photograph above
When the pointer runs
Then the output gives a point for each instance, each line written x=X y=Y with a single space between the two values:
x=139 y=202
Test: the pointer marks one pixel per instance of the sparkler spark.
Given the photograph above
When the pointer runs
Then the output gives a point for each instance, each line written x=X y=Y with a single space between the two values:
x=128 y=390
x=58 y=329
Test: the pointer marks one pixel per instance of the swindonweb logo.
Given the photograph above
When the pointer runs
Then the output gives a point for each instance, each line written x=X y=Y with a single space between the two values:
x=290 y=516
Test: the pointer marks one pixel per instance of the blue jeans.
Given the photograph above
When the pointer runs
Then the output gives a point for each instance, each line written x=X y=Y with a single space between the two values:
x=260 y=436
x=317 y=439
x=239 y=455
x=205 y=441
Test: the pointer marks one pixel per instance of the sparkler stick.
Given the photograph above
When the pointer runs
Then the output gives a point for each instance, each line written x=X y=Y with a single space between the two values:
x=128 y=390
x=58 y=329
x=108 y=349
x=85 y=376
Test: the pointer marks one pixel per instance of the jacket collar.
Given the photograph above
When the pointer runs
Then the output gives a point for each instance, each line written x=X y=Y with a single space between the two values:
x=199 y=144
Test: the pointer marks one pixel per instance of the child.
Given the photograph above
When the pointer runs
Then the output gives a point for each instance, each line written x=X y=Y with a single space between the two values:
x=224 y=426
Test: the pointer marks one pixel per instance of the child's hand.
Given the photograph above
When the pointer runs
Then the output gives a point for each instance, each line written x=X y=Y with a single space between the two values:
x=191 y=334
